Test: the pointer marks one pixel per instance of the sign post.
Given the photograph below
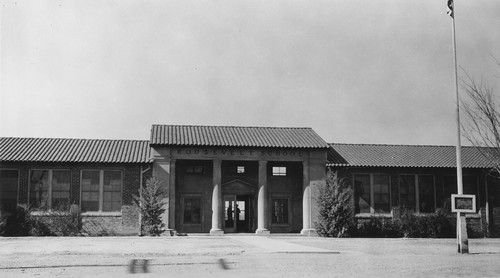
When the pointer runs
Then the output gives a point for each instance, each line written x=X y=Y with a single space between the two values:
x=462 y=239
x=462 y=204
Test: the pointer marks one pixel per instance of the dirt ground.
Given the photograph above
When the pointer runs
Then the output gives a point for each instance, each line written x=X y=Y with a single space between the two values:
x=245 y=256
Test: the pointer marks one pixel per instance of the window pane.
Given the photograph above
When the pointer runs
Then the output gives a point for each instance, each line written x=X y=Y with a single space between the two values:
x=192 y=210
x=280 y=211
x=470 y=185
x=240 y=210
x=362 y=193
x=112 y=191
x=61 y=182
x=90 y=190
x=39 y=189
x=381 y=193
x=450 y=187
x=240 y=170
x=426 y=193
x=9 y=180
x=407 y=191
x=229 y=215
x=279 y=171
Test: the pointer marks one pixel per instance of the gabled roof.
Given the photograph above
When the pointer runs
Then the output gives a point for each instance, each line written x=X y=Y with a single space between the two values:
x=364 y=155
x=74 y=150
x=235 y=136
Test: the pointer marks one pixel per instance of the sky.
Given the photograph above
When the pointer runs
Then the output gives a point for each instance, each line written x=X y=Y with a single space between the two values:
x=357 y=71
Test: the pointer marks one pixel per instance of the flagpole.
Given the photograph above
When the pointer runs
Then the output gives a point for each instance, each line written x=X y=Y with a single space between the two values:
x=462 y=238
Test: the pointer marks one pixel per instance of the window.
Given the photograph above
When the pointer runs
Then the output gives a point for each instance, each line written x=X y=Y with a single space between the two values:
x=192 y=210
x=195 y=170
x=417 y=192
x=407 y=191
x=240 y=170
x=101 y=190
x=469 y=187
x=9 y=180
x=362 y=200
x=49 y=188
x=279 y=171
x=371 y=193
x=240 y=210
x=280 y=211
x=427 y=199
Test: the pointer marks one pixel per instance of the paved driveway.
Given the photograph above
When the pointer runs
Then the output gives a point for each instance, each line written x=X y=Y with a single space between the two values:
x=245 y=256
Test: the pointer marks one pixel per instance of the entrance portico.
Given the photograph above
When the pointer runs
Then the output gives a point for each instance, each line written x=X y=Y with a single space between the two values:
x=237 y=188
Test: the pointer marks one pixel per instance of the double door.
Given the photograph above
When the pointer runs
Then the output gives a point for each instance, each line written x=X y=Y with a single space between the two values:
x=238 y=214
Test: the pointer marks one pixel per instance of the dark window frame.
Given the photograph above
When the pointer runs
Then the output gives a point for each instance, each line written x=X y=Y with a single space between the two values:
x=18 y=177
x=50 y=190
x=101 y=190
x=195 y=196
x=372 y=204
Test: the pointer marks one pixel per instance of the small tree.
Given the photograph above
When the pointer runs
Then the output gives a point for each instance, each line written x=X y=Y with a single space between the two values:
x=336 y=218
x=482 y=114
x=151 y=202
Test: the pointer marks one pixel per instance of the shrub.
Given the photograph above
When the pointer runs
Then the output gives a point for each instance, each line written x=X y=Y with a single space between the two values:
x=65 y=220
x=20 y=222
x=336 y=217
x=17 y=222
x=379 y=227
x=95 y=228
x=437 y=225
x=151 y=204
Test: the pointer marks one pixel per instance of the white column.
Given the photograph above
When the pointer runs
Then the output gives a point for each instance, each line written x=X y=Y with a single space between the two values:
x=216 y=200
x=306 y=202
x=262 y=200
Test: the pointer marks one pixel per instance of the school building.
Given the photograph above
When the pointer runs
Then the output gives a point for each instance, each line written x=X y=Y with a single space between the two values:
x=229 y=179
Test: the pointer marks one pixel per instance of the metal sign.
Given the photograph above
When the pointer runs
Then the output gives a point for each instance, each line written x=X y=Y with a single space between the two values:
x=463 y=203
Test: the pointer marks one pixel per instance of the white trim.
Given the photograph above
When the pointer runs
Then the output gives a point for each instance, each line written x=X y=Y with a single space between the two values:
x=101 y=213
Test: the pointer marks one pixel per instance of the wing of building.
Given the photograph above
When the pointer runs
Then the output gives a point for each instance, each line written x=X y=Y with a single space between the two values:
x=231 y=179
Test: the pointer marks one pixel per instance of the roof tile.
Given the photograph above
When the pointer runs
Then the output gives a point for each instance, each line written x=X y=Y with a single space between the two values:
x=233 y=136
x=365 y=155
x=74 y=150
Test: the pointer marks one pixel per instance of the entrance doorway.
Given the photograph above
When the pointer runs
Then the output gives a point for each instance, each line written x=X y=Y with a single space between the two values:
x=238 y=213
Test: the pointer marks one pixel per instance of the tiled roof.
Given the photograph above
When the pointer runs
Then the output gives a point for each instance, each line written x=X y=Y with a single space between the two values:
x=234 y=136
x=74 y=150
x=407 y=156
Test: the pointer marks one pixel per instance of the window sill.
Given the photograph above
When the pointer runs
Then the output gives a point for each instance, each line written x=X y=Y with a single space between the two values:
x=48 y=212
x=389 y=215
x=368 y=215
x=101 y=213
x=470 y=215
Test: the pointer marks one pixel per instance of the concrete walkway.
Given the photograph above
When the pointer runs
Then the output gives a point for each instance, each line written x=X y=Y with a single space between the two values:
x=277 y=246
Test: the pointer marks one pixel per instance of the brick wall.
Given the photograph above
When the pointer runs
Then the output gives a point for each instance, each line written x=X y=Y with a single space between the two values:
x=477 y=222
x=124 y=222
